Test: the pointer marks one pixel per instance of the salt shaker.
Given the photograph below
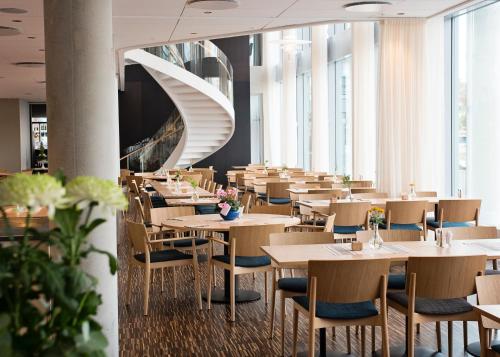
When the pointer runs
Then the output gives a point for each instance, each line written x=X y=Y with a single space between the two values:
x=449 y=238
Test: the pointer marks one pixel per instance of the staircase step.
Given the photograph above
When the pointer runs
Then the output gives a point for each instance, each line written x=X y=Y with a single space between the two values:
x=201 y=137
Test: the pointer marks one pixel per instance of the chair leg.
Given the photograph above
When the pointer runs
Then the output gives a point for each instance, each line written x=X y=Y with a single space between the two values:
x=282 y=315
x=438 y=336
x=129 y=283
x=373 y=339
x=411 y=338
x=385 y=339
x=418 y=329
x=197 y=284
x=357 y=330
x=363 y=341
x=175 y=282
x=334 y=333
x=450 y=338
x=294 y=336
x=253 y=276
x=495 y=264
x=265 y=287
x=209 y=286
x=162 y=279
x=147 y=277
x=348 y=338
x=273 y=303
x=466 y=334
x=312 y=341
x=232 y=295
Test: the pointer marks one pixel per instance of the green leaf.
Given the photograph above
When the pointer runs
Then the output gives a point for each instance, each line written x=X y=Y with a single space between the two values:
x=113 y=263
x=93 y=225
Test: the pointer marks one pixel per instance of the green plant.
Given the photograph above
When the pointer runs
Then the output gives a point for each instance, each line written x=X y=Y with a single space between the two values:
x=178 y=175
x=376 y=215
x=346 y=181
x=47 y=306
x=193 y=183
x=42 y=153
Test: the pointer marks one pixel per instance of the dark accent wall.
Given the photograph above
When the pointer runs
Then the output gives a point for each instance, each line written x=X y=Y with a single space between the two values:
x=144 y=106
x=237 y=150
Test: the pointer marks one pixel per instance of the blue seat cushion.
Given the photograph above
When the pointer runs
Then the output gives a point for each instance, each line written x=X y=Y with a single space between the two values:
x=496 y=348
x=435 y=224
x=347 y=311
x=311 y=222
x=432 y=306
x=275 y=201
x=163 y=256
x=150 y=189
x=185 y=243
x=157 y=202
x=206 y=209
x=402 y=227
x=396 y=281
x=297 y=285
x=347 y=229
x=491 y=272
x=245 y=262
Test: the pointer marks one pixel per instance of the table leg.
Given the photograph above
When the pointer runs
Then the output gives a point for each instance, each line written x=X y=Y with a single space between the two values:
x=222 y=295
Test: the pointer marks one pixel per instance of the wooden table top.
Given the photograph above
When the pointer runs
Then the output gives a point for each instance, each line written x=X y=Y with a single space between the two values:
x=191 y=202
x=298 y=255
x=186 y=191
x=490 y=311
x=214 y=222
x=17 y=222
x=374 y=201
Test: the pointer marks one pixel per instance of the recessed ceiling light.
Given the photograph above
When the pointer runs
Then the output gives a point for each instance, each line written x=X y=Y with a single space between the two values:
x=9 y=31
x=366 y=6
x=213 y=4
x=207 y=12
x=17 y=20
x=194 y=33
x=29 y=64
x=31 y=37
x=12 y=10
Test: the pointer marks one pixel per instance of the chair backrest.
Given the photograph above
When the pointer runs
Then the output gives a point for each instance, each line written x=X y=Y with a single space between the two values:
x=239 y=179
x=246 y=201
x=405 y=212
x=445 y=277
x=426 y=193
x=298 y=238
x=488 y=289
x=390 y=236
x=329 y=224
x=315 y=196
x=459 y=210
x=334 y=279
x=206 y=172
x=361 y=183
x=192 y=176
x=334 y=192
x=350 y=213
x=355 y=190
x=305 y=185
x=203 y=183
x=140 y=209
x=147 y=205
x=268 y=179
x=249 y=239
x=137 y=236
x=133 y=183
x=301 y=178
x=278 y=190
x=284 y=210
x=370 y=195
x=162 y=213
x=327 y=184
x=480 y=232
x=212 y=187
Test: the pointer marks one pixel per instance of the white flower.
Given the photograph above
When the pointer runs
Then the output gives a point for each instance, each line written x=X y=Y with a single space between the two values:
x=32 y=191
x=83 y=190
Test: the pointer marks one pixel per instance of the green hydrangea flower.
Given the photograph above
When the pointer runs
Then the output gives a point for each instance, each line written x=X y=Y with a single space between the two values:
x=83 y=190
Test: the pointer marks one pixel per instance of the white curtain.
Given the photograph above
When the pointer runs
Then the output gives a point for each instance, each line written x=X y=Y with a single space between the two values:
x=319 y=87
x=400 y=104
x=363 y=99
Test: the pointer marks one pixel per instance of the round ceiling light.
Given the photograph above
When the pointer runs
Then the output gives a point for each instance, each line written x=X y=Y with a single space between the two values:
x=30 y=64
x=12 y=10
x=213 y=4
x=366 y=6
x=9 y=31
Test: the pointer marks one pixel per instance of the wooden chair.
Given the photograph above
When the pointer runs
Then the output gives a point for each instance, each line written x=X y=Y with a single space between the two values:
x=361 y=184
x=305 y=217
x=212 y=186
x=142 y=256
x=356 y=190
x=436 y=290
x=368 y=195
x=406 y=215
x=305 y=185
x=203 y=183
x=290 y=287
x=330 y=283
x=274 y=209
x=350 y=217
x=327 y=184
x=488 y=293
x=426 y=193
x=455 y=213
x=245 y=256
x=277 y=194
x=334 y=192
x=188 y=176
x=247 y=201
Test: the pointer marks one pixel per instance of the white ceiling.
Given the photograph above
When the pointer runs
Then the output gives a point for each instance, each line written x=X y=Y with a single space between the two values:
x=139 y=23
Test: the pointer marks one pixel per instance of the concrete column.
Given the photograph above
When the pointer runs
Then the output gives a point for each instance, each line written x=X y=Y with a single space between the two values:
x=82 y=109
x=289 y=116
x=319 y=86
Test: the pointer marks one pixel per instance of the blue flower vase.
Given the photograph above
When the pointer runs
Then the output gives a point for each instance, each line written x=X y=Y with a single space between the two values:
x=231 y=215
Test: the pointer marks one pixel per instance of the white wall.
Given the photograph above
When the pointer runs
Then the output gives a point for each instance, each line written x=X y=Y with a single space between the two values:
x=14 y=135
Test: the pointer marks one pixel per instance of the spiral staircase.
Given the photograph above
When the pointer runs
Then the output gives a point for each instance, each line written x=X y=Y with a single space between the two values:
x=198 y=78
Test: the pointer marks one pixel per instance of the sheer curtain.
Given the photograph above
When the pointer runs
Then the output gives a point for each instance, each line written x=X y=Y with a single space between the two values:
x=363 y=99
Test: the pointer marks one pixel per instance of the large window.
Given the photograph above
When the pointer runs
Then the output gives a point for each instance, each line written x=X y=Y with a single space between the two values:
x=475 y=107
x=256 y=129
x=304 y=118
x=343 y=117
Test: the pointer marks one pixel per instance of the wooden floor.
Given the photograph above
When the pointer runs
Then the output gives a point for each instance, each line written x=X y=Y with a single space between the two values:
x=175 y=327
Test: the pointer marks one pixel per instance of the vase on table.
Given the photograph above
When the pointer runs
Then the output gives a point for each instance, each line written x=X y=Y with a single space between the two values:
x=375 y=241
x=231 y=215
x=350 y=193
x=195 y=196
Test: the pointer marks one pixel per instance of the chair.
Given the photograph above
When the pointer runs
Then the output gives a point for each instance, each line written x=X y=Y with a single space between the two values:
x=436 y=290
x=426 y=193
x=278 y=209
x=455 y=213
x=142 y=256
x=488 y=293
x=305 y=213
x=361 y=184
x=277 y=194
x=191 y=176
x=245 y=256
x=290 y=287
x=406 y=215
x=350 y=217
x=356 y=190
x=368 y=195
x=212 y=186
x=247 y=201
x=305 y=185
x=333 y=300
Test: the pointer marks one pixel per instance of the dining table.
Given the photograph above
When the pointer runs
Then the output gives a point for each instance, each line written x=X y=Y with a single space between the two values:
x=184 y=190
x=298 y=256
x=215 y=223
x=189 y=201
